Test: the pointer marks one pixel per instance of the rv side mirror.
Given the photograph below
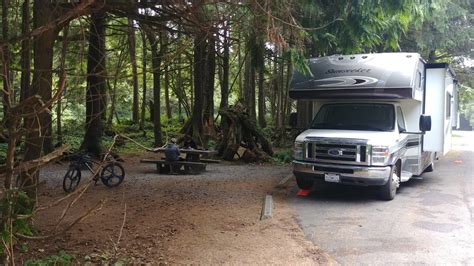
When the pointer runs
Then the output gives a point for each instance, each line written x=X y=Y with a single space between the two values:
x=293 y=120
x=425 y=123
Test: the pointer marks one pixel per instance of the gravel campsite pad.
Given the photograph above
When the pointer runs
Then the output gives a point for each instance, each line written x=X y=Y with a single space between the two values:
x=212 y=218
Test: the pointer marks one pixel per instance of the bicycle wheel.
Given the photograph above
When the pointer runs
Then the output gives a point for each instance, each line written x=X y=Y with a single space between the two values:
x=112 y=175
x=71 y=178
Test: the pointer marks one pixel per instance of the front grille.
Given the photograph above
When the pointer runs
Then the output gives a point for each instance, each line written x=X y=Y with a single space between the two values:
x=333 y=170
x=336 y=152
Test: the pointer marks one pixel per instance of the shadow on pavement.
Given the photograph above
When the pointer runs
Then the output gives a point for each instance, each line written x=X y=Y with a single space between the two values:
x=340 y=193
x=358 y=194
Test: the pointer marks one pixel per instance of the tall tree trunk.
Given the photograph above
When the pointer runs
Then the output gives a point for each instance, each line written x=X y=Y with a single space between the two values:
x=199 y=82
x=249 y=87
x=6 y=219
x=25 y=60
x=209 y=74
x=113 y=90
x=5 y=59
x=282 y=99
x=281 y=87
x=133 y=60
x=259 y=66
x=274 y=89
x=261 y=97
x=5 y=67
x=144 y=69
x=225 y=72
x=180 y=91
x=249 y=79
x=191 y=80
x=156 y=56
x=288 y=101
x=96 y=85
x=38 y=139
x=167 y=93
x=239 y=59
x=113 y=102
x=42 y=78
x=62 y=77
x=179 y=87
x=43 y=63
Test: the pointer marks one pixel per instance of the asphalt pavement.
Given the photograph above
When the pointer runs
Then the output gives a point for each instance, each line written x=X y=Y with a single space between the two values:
x=430 y=221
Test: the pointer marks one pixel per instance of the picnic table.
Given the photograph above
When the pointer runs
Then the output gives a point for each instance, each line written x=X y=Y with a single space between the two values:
x=195 y=161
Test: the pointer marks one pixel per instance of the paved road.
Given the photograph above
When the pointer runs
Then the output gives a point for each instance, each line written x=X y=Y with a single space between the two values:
x=429 y=222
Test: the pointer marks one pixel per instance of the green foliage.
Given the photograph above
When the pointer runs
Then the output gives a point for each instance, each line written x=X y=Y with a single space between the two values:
x=24 y=247
x=62 y=258
x=299 y=61
x=469 y=113
x=444 y=33
x=355 y=26
x=3 y=152
x=16 y=206
x=466 y=92
x=283 y=157
x=445 y=28
x=171 y=127
x=211 y=145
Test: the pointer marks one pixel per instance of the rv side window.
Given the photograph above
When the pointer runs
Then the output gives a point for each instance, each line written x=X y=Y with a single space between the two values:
x=400 y=120
x=418 y=80
x=448 y=105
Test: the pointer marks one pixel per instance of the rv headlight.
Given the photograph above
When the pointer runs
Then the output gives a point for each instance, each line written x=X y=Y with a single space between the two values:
x=298 y=150
x=380 y=155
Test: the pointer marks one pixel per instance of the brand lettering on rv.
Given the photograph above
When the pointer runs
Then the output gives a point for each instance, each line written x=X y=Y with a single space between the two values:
x=355 y=70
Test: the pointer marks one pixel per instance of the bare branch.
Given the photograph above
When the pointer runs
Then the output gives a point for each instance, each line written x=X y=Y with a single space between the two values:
x=84 y=216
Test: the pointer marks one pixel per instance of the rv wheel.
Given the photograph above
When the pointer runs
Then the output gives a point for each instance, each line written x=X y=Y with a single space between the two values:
x=389 y=190
x=430 y=168
x=304 y=183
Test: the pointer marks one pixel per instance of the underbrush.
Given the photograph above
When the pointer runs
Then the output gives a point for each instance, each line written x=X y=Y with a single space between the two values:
x=282 y=157
x=73 y=134
x=62 y=258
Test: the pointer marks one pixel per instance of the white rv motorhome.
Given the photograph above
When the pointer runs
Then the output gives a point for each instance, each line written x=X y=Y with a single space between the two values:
x=377 y=119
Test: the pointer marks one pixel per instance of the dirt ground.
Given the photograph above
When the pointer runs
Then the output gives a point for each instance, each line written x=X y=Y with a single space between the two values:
x=212 y=218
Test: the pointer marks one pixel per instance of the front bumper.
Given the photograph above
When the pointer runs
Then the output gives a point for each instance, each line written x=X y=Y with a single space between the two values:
x=349 y=174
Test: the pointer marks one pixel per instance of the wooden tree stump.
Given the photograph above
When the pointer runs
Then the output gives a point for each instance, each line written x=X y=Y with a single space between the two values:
x=240 y=130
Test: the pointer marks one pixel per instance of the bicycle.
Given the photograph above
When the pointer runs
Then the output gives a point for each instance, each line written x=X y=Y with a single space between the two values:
x=111 y=175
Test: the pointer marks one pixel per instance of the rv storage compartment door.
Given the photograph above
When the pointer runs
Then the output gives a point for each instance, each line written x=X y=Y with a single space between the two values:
x=438 y=102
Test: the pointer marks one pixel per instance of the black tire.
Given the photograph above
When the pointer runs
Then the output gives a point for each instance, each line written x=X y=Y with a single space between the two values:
x=112 y=174
x=430 y=168
x=304 y=183
x=389 y=190
x=71 y=178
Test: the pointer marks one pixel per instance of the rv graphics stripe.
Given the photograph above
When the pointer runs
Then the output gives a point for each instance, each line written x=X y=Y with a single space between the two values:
x=346 y=81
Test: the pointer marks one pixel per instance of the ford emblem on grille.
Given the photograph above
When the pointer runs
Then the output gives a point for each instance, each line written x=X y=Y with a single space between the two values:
x=335 y=152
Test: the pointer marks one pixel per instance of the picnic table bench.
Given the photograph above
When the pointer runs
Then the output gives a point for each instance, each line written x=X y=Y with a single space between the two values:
x=193 y=164
x=190 y=167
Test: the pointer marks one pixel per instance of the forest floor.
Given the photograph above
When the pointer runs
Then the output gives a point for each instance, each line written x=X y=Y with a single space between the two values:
x=212 y=218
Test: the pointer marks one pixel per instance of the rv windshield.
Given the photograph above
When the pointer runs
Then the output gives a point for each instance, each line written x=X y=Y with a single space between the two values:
x=355 y=116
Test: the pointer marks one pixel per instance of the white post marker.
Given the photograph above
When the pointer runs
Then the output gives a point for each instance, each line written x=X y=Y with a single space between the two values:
x=267 y=208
